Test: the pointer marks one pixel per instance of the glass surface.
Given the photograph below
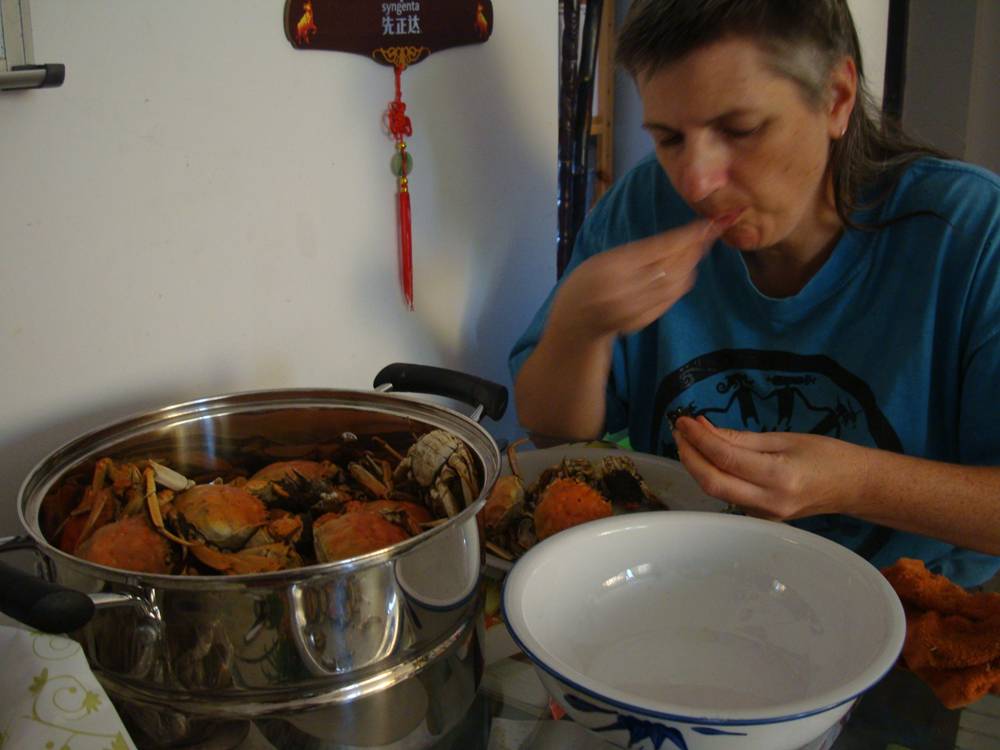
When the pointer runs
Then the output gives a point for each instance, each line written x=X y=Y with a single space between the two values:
x=900 y=710
x=511 y=712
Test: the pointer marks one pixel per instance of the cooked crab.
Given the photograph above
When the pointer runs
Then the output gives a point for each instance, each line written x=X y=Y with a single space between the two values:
x=410 y=516
x=338 y=537
x=579 y=469
x=116 y=490
x=442 y=464
x=293 y=485
x=130 y=544
x=506 y=500
x=225 y=515
x=566 y=503
x=621 y=481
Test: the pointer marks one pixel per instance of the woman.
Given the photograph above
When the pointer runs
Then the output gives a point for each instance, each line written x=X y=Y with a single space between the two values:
x=802 y=306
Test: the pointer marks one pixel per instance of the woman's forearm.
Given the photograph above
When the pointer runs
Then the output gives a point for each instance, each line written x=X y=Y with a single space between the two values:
x=561 y=387
x=959 y=504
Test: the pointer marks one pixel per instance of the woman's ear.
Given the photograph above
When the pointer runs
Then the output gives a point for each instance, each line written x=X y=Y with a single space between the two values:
x=843 y=96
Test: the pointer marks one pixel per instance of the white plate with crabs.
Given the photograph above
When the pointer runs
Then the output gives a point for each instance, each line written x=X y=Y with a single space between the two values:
x=666 y=478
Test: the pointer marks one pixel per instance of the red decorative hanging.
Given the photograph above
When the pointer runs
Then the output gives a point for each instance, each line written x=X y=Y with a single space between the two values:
x=399 y=33
x=402 y=164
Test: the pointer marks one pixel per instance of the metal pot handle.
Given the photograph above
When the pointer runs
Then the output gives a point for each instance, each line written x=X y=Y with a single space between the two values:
x=484 y=394
x=40 y=604
x=44 y=605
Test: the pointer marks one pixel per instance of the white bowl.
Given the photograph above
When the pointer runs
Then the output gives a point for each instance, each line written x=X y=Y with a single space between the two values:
x=702 y=631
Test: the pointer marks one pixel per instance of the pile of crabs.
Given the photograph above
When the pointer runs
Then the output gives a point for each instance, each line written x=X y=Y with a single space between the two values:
x=574 y=491
x=145 y=517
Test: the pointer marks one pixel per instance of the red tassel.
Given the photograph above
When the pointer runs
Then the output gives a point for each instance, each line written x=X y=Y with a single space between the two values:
x=405 y=246
x=400 y=127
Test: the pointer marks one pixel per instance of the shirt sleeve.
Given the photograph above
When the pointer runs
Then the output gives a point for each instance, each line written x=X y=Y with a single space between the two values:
x=979 y=426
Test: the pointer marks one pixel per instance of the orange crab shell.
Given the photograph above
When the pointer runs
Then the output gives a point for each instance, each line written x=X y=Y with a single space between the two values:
x=338 y=537
x=415 y=514
x=69 y=536
x=225 y=515
x=128 y=544
x=282 y=470
x=504 y=503
x=566 y=503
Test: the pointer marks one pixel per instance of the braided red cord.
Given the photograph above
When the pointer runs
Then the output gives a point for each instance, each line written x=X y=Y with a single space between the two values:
x=400 y=127
x=399 y=123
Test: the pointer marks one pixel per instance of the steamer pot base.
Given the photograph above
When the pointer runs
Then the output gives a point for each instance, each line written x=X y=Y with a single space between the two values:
x=436 y=708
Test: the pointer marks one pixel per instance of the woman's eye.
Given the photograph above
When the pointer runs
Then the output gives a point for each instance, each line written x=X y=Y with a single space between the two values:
x=742 y=132
x=668 y=141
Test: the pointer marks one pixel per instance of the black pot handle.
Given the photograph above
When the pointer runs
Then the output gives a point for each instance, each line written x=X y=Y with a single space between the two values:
x=41 y=604
x=441 y=382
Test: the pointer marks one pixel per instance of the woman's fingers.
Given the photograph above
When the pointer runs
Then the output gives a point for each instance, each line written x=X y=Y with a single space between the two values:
x=625 y=289
x=725 y=451
x=648 y=297
x=676 y=248
x=764 y=442
x=726 y=487
x=785 y=475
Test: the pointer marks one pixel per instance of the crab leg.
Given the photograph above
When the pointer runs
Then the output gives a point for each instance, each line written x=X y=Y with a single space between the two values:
x=232 y=563
x=98 y=498
x=388 y=448
x=169 y=478
x=368 y=480
x=153 y=505
x=386 y=474
x=512 y=456
x=499 y=551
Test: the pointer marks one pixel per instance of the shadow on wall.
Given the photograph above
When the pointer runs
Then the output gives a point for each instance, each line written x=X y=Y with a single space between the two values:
x=511 y=264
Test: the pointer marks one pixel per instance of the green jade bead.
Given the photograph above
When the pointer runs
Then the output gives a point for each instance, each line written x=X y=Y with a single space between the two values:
x=401 y=164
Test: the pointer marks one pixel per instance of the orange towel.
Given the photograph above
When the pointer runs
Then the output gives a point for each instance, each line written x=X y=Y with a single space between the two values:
x=952 y=635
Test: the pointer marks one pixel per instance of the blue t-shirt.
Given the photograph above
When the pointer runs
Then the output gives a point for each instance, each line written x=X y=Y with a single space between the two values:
x=894 y=343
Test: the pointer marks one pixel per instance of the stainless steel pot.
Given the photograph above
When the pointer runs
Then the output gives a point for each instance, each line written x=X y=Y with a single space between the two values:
x=397 y=626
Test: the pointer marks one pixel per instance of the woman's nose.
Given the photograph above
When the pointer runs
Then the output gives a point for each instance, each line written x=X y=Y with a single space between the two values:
x=704 y=169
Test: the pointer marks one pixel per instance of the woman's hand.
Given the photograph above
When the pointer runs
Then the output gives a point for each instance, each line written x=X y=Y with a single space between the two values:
x=560 y=389
x=786 y=475
x=625 y=289
x=774 y=475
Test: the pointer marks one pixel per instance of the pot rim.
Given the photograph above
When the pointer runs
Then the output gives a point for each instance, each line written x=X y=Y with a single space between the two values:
x=89 y=445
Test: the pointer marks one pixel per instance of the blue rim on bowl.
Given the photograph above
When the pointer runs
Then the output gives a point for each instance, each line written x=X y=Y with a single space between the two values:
x=520 y=575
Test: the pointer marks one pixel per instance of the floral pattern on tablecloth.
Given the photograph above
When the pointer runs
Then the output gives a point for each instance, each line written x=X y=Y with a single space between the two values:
x=50 y=698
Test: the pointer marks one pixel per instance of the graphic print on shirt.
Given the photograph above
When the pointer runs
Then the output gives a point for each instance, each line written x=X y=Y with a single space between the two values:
x=770 y=391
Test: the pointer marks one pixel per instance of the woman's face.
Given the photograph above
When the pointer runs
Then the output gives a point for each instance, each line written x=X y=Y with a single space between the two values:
x=737 y=139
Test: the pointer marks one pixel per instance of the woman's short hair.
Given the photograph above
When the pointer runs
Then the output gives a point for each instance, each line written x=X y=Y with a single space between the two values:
x=802 y=40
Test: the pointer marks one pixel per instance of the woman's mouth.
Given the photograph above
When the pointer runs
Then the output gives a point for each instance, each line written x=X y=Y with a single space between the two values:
x=725 y=220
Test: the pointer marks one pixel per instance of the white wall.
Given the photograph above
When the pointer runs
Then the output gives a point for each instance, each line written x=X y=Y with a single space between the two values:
x=632 y=144
x=202 y=209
